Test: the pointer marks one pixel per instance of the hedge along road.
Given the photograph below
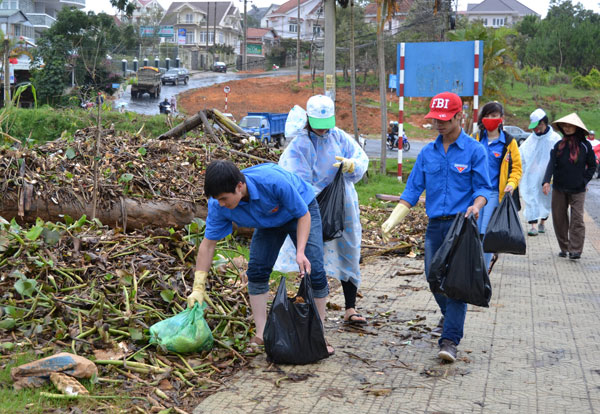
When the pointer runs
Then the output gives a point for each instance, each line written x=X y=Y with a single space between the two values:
x=147 y=106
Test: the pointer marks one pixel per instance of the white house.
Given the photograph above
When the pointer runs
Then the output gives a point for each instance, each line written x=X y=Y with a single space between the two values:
x=284 y=19
x=41 y=14
x=201 y=25
x=497 y=13
x=144 y=8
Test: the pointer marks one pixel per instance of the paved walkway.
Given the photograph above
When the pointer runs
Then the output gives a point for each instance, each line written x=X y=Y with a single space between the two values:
x=536 y=349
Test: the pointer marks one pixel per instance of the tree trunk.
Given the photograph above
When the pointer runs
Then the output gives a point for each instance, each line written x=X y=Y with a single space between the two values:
x=382 y=87
x=126 y=213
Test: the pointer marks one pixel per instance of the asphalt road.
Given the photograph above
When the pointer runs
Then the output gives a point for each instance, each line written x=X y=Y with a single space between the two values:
x=146 y=105
x=373 y=149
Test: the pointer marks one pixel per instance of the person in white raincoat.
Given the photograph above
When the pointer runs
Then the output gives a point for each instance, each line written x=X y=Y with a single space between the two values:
x=535 y=154
x=315 y=154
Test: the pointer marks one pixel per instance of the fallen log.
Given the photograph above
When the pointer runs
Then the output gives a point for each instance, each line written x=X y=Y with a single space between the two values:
x=186 y=126
x=127 y=213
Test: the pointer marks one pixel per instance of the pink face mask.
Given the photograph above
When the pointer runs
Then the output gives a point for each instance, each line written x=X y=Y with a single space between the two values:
x=491 y=124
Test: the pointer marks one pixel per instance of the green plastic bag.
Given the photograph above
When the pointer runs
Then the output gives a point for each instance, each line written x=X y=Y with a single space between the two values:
x=183 y=333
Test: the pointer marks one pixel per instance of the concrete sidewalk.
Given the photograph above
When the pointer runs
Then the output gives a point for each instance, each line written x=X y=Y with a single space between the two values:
x=535 y=349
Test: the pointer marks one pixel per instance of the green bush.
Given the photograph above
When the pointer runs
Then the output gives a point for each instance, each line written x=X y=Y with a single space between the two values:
x=582 y=82
x=594 y=78
x=560 y=78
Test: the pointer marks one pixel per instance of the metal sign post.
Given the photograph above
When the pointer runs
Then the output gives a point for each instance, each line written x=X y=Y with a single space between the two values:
x=226 y=89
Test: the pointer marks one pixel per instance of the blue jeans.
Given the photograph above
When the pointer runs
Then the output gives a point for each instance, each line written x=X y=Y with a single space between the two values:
x=265 y=247
x=484 y=218
x=454 y=311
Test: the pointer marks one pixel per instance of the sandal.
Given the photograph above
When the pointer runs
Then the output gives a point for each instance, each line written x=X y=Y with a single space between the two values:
x=332 y=352
x=256 y=343
x=354 y=319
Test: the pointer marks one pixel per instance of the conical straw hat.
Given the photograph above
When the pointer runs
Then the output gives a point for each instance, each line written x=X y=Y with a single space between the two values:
x=571 y=119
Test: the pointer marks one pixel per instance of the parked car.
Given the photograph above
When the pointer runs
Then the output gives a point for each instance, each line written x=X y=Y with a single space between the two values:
x=220 y=67
x=517 y=133
x=176 y=76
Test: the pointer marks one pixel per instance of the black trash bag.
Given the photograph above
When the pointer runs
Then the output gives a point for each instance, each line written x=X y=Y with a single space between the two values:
x=439 y=263
x=294 y=332
x=460 y=271
x=332 y=206
x=504 y=233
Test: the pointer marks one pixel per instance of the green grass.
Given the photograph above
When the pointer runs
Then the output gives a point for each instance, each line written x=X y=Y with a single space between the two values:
x=557 y=100
x=46 y=123
x=383 y=184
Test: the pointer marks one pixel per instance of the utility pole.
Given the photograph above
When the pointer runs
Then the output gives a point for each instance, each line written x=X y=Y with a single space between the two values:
x=244 y=54
x=207 y=31
x=5 y=62
x=353 y=72
x=329 y=49
x=298 y=43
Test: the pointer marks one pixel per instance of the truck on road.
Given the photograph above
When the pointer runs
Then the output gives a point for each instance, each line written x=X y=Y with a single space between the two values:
x=265 y=126
x=148 y=81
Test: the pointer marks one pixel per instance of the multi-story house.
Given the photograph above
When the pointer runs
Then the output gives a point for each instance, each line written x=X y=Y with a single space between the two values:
x=148 y=9
x=202 y=26
x=497 y=13
x=260 y=41
x=284 y=19
x=41 y=14
x=396 y=21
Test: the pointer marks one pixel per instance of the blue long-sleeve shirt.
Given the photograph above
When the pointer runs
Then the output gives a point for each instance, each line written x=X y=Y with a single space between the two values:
x=452 y=180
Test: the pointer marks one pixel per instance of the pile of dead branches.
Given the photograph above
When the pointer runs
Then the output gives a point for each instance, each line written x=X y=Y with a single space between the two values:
x=124 y=180
x=95 y=291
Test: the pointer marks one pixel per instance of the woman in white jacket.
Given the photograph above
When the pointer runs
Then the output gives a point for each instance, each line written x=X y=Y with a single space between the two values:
x=535 y=154
x=315 y=155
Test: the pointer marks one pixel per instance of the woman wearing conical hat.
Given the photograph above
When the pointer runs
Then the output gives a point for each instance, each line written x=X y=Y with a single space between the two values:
x=571 y=167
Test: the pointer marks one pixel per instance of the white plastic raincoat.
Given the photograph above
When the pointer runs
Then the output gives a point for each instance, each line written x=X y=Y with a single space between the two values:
x=535 y=155
x=314 y=164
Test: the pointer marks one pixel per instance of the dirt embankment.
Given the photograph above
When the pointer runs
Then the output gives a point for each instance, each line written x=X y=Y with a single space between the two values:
x=280 y=94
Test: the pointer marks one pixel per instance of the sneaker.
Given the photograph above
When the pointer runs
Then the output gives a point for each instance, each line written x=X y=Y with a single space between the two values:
x=447 y=350
x=437 y=331
x=574 y=256
x=541 y=228
x=562 y=254
x=532 y=232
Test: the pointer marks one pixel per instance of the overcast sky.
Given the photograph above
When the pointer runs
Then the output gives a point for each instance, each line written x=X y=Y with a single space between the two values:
x=539 y=6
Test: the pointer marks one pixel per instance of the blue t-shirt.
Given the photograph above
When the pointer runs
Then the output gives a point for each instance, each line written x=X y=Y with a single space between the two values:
x=494 y=153
x=276 y=196
x=452 y=180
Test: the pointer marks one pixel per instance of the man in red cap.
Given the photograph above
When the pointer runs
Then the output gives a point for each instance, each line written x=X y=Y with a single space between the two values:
x=452 y=170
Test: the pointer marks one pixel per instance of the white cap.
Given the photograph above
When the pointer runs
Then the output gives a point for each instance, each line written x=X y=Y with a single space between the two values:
x=535 y=117
x=321 y=112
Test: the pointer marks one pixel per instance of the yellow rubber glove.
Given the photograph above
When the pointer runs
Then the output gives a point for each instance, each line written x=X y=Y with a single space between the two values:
x=347 y=164
x=198 y=289
x=396 y=217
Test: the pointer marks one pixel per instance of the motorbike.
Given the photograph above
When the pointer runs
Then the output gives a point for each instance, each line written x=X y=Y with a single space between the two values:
x=164 y=108
x=392 y=142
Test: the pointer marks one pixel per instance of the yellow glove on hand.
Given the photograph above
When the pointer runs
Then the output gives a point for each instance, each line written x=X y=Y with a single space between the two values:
x=347 y=164
x=198 y=289
x=396 y=217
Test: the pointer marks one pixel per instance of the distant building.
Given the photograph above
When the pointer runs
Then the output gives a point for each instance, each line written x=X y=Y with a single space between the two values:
x=41 y=14
x=260 y=41
x=498 y=13
x=284 y=19
x=144 y=8
x=201 y=25
x=396 y=21
x=263 y=20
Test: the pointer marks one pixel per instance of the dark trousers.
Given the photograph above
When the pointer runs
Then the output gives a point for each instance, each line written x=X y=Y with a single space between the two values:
x=568 y=225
